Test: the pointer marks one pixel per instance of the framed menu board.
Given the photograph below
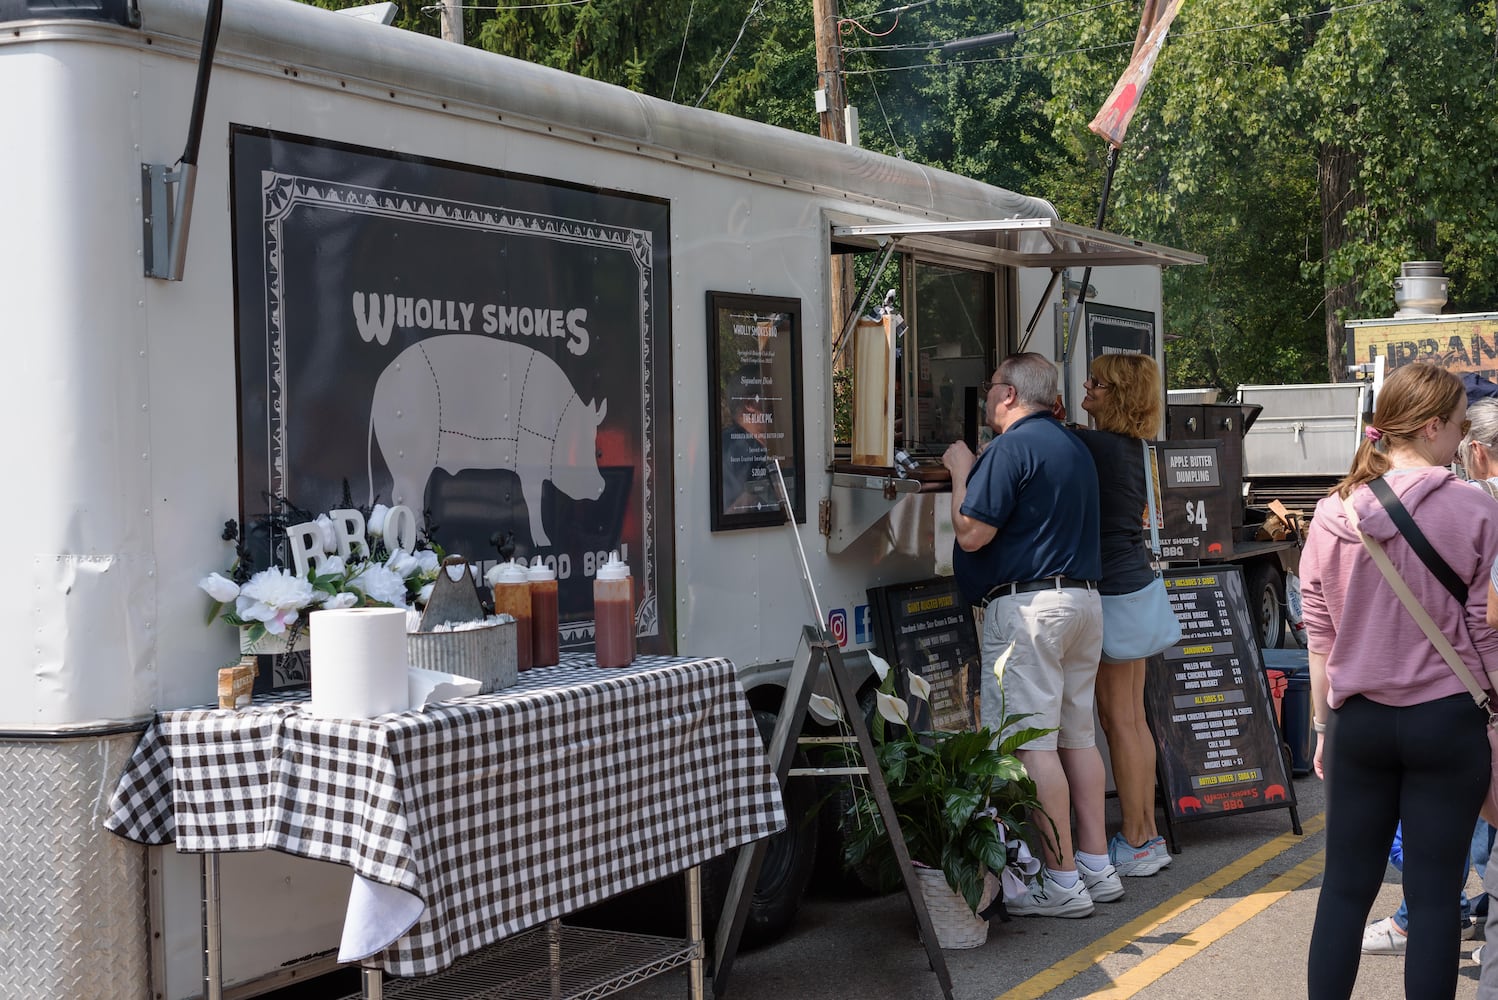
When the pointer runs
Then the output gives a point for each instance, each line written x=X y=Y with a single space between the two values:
x=928 y=628
x=754 y=407
x=1219 y=748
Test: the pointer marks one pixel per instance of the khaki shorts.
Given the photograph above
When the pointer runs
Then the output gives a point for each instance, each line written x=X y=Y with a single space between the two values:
x=1057 y=637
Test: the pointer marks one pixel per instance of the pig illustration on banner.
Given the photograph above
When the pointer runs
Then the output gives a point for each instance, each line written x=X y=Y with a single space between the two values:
x=465 y=401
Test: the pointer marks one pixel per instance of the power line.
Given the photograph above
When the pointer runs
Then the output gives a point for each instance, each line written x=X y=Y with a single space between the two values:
x=754 y=8
x=683 y=54
x=437 y=8
x=1023 y=57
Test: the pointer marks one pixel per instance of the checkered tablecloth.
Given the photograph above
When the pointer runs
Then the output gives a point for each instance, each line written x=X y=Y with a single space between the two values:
x=499 y=811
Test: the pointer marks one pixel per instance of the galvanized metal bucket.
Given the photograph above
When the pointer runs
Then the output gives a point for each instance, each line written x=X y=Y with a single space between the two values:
x=487 y=654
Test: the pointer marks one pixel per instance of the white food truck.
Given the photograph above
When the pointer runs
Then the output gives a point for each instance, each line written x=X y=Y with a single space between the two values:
x=532 y=307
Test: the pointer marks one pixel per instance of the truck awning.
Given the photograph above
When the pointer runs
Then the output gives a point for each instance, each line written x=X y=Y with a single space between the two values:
x=1016 y=243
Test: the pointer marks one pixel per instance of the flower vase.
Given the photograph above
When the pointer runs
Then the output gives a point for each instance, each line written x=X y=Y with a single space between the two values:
x=956 y=925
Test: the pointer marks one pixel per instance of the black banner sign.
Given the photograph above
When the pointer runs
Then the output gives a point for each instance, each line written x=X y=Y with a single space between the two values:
x=1209 y=707
x=928 y=628
x=489 y=350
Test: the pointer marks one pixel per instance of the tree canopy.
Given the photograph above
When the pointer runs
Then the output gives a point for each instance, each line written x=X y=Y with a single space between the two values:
x=1306 y=149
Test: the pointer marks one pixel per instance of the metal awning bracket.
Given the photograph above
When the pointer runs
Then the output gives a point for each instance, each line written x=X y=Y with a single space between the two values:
x=166 y=214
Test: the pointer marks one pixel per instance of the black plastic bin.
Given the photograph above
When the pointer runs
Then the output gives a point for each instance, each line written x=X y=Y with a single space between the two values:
x=1297 y=706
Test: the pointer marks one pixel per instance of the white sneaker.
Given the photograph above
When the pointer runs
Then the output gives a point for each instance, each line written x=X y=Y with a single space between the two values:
x=1157 y=844
x=1383 y=937
x=1047 y=899
x=1477 y=954
x=1104 y=886
x=1134 y=861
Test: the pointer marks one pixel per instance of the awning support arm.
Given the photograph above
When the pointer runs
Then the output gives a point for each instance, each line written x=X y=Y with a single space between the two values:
x=887 y=250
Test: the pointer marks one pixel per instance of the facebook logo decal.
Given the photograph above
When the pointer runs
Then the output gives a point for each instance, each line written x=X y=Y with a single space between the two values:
x=863 y=625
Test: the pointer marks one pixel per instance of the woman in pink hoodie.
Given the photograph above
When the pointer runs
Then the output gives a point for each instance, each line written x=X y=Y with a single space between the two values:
x=1398 y=737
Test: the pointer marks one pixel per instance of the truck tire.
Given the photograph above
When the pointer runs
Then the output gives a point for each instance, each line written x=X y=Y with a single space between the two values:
x=1266 y=601
x=790 y=857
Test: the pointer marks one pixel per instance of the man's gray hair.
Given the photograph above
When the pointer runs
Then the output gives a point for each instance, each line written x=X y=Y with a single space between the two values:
x=1033 y=377
x=1484 y=417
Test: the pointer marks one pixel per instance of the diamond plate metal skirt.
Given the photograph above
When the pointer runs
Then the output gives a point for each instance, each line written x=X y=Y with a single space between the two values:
x=73 y=918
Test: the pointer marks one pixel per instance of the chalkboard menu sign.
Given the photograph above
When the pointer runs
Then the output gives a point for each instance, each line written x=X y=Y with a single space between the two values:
x=928 y=628
x=1208 y=705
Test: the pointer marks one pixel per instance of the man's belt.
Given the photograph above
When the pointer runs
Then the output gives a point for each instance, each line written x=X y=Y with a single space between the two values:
x=1029 y=586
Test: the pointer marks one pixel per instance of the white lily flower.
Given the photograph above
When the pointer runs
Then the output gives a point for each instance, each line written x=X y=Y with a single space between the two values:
x=824 y=708
x=1002 y=662
x=219 y=587
x=919 y=686
x=326 y=536
x=376 y=522
x=427 y=562
x=893 y=709
x=343 y=599
x=880 y=665
x=333 y=565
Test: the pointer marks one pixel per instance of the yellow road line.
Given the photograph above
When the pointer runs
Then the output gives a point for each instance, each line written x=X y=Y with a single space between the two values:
x=1044 y=982
x=1150 y=970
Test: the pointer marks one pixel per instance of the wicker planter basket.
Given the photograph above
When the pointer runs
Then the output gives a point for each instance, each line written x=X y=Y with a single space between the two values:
x=956 y=926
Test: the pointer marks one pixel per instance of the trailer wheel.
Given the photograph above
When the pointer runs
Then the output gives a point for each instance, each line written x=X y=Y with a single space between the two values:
x=1266 y=599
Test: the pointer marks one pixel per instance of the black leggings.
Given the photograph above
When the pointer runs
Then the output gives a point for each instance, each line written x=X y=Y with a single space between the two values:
x=1424 y=764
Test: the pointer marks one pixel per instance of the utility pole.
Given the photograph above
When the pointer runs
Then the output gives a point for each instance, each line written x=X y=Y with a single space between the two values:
x=831 y=100
x=452 y=21
x=832 y=105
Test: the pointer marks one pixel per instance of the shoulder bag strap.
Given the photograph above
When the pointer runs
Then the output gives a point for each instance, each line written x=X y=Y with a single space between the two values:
x=1421 y=616
x=1149 y=492
x=1412 y=534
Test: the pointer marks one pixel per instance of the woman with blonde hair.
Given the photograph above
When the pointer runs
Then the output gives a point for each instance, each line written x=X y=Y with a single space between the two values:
x=1398 y=738
x=1123 y=398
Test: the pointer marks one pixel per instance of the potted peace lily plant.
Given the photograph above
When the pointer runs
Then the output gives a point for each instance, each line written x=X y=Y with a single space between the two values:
x=964 y=802
x=270 y=606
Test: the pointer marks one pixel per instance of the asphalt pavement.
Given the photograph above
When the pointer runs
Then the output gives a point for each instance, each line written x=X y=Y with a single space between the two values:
x=1230 y=917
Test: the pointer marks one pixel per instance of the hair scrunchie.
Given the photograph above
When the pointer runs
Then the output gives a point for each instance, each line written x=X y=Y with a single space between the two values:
x=1373 y=434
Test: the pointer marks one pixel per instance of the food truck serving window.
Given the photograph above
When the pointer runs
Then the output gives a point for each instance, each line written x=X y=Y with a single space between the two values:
x=948 y=352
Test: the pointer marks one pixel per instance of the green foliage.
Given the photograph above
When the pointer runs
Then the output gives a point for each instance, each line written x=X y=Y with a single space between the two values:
x=1305 y=149
x=959 y=798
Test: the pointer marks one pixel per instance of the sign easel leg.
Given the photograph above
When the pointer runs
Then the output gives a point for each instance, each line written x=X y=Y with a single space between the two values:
x=814 y=651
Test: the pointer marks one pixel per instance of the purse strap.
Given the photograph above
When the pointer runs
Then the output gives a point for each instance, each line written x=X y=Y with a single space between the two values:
x=1421 y=616
x=1400 y=514
x=1149 y=492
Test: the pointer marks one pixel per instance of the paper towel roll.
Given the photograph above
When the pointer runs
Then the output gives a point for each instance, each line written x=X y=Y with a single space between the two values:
x=358 y=662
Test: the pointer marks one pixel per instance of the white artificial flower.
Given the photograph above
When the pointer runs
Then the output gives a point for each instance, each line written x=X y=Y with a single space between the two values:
x=402 y=563
x=1002 y=662
x=376 y=522
x=273 y=596
x=919 y=686
x=427 y=560
x=880 y=665
x=219 y=587
x=892 y=708
x=343 y=599
x=333 y=565
x=327 y=537
x=380 y=583
x=824 y=708
x=425 y=593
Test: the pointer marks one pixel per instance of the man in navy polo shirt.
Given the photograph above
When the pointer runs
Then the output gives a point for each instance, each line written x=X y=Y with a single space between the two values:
x=1026 y=514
